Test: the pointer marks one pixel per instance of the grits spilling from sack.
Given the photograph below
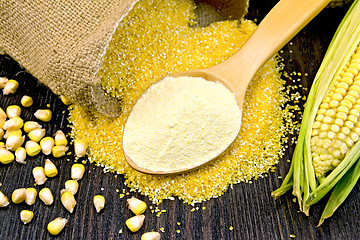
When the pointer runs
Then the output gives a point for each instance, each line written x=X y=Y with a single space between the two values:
x=156 y=39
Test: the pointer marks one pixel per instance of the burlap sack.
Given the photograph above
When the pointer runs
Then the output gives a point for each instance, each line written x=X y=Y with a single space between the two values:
x=62 y=42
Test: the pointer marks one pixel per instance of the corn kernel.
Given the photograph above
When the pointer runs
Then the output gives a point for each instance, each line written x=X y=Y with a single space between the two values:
x=32 y=148
x=3 y=81
x=37 y=134
x=59 y=151
x=30 y=126
x=68 y=201
x=39 y=175
x=14 y=140
x=46 y=144
x=14 y=123
x=26 y=101
x=99 y=202
x=60 y=138
x=71 y=186
x=13 y=111
x=26 y=216
x=136 y=205
x=2 y=114
x=4 y=201
x=65 y=100
x=20 y=155
x=77 y=171
x=10 y=87
x=6 y=156
x=44 y=115
x=30 y=196
x=50 y=168
x=46 y=196
x=135 y=223
x=18 y=195
x=56 y=226
x=80 y=147
x=150 y=236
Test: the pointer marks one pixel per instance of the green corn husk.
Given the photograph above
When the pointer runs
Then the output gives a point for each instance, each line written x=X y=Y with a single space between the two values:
x=301 y=177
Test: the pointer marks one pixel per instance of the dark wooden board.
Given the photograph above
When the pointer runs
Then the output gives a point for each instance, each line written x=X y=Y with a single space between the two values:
x=248 y=208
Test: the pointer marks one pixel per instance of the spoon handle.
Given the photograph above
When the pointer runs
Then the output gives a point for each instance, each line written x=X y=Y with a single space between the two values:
x=279 y=26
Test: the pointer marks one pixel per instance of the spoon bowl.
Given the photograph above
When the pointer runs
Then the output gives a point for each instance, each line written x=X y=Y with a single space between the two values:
x=279 y=26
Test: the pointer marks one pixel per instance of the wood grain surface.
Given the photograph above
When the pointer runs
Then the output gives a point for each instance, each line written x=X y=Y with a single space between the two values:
x=248 y=208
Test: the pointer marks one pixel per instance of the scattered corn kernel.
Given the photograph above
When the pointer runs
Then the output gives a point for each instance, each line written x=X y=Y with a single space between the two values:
x=2 y=145
x=7 y=133
x=135 y=223
x=13 y=124
x=80 y=147
x=6 y=156
x=46 y=144
x=26 y=101
x=136 y=205
x=37 y=134
x=68 y=201
x=1 y=133
x=10 y=87
x=99 y=202
x=20 y=155
x=44 y=115
x=65 y=100
x=39 y=175
x=30 y=196
x=50 y=168
x=77 y=171
x=56 y=226
x=13 y=111
x=60 y=138
x=4 y=201
x=46 y=196
x=59 y=151
x=3 y=81
x=150 y=236
x=30 y=126
x=18 y=195
x=32 y=148
x=26 y=216
x=71 y=186
x=14 y=140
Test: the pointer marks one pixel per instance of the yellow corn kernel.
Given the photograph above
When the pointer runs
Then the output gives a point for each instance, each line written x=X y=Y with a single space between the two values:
x=150 y=236
x=30 y=126
x=37 y=134
x=18 y=195
x=59 y=151
x=44 y=115
x=6 y=156
x=14 y=123
x=39 y=175
x=99 y=202
x=65 y=100
x=30 y=196
x=60 y=138
x=71 y=186
x=77 y=171
x=26 y=216
x=135 y=223
x=136 y=205
x=56 y=226
x=46 y=196
x=32 y=148
x=26 y=101
x=50 y=168
x=13 y=111
x=68 y=201
x=4 y=201
x=14 y=140
x=46 y=144
x=20 y=155
x=2 y=114
x=3 y=81
x=80 y=147
x=1 y=133
x=10 y=87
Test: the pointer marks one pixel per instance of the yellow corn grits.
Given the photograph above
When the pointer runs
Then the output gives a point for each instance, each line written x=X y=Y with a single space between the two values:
x=155 y=40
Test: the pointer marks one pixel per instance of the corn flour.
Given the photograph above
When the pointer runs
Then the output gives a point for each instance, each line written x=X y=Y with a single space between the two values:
x=180 y=123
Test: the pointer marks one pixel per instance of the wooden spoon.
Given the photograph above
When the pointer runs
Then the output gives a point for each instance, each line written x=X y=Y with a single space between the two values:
x=280 y=25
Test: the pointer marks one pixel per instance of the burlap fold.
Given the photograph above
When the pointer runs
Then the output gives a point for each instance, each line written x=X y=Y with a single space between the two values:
x=62 y=42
